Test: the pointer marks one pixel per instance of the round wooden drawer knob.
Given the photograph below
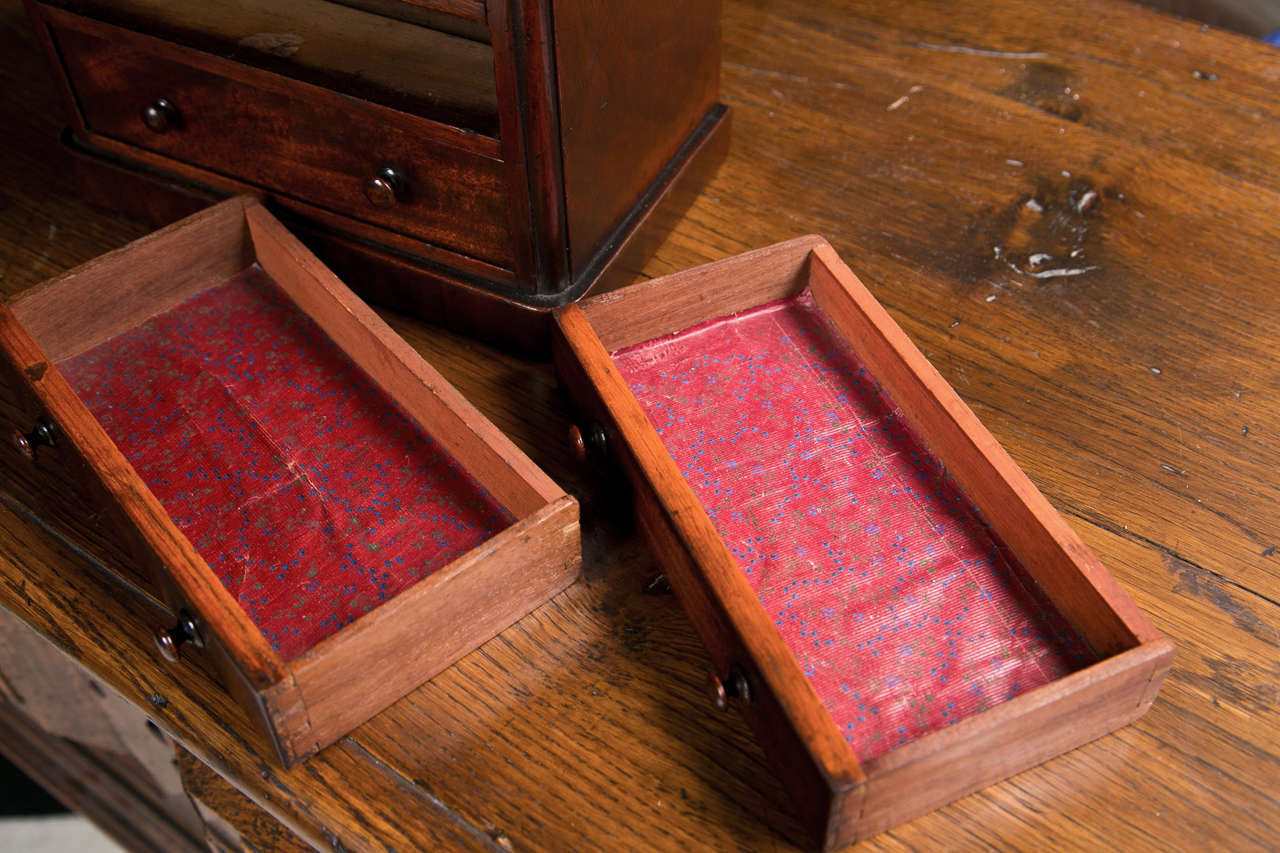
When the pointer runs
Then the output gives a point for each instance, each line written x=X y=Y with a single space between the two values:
x=590 y=444
x=43 y=434
x=160 y=115
x=386 y=187
x=735 y=686
x=169 y=641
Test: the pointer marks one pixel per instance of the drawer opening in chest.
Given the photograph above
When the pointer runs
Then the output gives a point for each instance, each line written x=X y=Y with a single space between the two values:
x=319 y=509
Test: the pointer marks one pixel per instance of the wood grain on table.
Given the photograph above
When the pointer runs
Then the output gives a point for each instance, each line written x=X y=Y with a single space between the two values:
x=1134 y=375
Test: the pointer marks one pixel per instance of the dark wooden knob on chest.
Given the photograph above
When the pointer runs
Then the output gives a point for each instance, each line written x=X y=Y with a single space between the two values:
x=735 y=687
x=171 y=640
x=589 y=444
x=161 y=115
x=387 y=186
x=43 y=434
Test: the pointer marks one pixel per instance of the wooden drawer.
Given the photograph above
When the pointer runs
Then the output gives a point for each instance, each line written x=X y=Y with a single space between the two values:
x=289 y=137
x=327 y=518
x=891 y=603
x=411 y=58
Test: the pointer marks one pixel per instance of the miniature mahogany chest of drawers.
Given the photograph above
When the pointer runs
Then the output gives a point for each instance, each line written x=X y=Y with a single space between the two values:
x=326 y=520
x=894 y=607
x=465 y=161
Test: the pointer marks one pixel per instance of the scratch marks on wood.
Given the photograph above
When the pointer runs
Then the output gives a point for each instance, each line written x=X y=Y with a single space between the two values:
x=783 y=75
x=1047 y=234
x=912 y=91
x=1059 y=272
x=283 y=45
x=982 y=51
x=1038 y=259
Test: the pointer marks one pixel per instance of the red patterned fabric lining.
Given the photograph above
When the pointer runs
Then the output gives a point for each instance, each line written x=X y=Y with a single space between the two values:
x=308 y=492
x=892 y=594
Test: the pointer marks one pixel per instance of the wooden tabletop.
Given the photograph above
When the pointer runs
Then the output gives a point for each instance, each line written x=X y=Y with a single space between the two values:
x=938 y=146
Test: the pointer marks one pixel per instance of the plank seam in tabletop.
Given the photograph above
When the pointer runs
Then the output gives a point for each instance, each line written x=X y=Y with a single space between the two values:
x=1083 y=512
x=420 y=792
x=1086 y=517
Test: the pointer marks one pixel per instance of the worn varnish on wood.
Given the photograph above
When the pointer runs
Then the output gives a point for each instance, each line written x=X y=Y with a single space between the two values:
x=320 y=674
x=671 y=356
x=527 y=140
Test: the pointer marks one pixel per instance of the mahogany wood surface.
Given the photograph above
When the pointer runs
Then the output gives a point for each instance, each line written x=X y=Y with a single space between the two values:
x=226 y=109
x=632 y=90
x=519 y=31
x=68 y=315
x=422 y=70
x=433 y=623
x=183 y=103
x=650 y=310
x=1138 y=395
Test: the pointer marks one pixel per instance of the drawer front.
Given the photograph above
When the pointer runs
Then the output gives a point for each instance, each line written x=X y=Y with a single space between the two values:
x=43 y=472
x=289 y=137
x=409 y=58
